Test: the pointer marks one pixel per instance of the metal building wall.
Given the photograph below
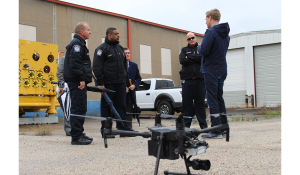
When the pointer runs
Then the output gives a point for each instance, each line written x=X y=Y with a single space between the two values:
x=235 y=83
x=248 y=41
x=268 y=74
x=55 y=24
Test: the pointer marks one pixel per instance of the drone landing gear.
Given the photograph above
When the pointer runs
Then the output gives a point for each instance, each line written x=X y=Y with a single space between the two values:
x=187 y=164
x=196 y=163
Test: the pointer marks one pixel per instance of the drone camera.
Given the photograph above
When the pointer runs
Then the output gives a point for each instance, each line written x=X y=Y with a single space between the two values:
x=198 y=164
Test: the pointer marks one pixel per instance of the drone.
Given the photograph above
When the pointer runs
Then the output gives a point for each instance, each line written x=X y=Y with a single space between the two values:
x=169 y=142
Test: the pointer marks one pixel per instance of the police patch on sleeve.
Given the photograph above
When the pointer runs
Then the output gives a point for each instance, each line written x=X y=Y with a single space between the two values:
x=99 y=52
x=76 y=48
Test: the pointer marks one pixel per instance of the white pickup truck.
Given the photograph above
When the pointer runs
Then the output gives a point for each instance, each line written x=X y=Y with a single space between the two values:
x=159 y=94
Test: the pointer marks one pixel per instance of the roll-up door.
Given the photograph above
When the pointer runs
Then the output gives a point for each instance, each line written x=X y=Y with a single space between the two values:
x=268 y=74
x=235 y=83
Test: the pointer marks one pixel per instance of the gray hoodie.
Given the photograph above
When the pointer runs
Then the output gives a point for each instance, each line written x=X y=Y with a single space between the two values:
x=60 y=72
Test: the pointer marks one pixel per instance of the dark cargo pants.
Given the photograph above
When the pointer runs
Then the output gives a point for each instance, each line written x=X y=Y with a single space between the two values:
x=79 y=107
x=193 y=97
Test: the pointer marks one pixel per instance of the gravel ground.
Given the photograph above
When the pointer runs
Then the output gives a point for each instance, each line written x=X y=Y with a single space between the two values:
x=254 y=148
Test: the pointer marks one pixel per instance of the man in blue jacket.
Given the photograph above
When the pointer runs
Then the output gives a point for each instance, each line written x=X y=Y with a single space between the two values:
x=133 y=73
x=214 y=49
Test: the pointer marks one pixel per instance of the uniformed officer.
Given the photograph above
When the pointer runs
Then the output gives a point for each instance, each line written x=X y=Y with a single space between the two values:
x=193 y=90
x=109 y=67
x=78 y=73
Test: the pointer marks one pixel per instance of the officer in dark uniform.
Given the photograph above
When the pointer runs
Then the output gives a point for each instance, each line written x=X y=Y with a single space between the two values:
x=78 y=73
x=109 y=67
x=193 y=89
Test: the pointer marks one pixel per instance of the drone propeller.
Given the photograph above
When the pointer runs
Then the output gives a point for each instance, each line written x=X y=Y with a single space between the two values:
x=165 y=116
x=102 y=118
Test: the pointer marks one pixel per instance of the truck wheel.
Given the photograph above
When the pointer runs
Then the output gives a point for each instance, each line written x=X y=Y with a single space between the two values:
x=165 y=108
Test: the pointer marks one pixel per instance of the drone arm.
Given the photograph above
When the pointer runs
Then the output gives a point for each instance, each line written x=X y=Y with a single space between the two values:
x=215 y=128
x=134 y=133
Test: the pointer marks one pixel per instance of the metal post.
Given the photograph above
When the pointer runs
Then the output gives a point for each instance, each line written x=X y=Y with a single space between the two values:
x=252 y=101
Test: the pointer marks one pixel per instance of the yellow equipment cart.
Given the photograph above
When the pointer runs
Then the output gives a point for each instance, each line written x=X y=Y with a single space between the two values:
x=37 y=69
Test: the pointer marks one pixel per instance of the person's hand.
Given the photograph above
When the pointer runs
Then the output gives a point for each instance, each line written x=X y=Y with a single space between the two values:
x=82 y=85
x=102 y=87
x=132 y=87
x=61 y=90
x=127 y=89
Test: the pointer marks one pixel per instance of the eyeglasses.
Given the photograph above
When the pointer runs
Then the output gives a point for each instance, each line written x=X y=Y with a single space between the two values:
x=189 y=39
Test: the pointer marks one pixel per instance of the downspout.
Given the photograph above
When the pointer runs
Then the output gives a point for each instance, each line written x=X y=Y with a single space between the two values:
x=129 y=37
x=254 y=78
x=54 y=25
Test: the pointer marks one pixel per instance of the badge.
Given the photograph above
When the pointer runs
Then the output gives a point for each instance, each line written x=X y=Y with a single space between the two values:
x=99 y=52
x=76 y=48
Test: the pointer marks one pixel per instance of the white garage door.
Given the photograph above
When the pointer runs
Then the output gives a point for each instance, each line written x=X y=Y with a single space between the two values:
x=268 y=74
x=235 y=83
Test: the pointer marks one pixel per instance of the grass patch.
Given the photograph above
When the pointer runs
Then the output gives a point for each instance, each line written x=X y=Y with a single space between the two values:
x=43 y=130
x=269 y=112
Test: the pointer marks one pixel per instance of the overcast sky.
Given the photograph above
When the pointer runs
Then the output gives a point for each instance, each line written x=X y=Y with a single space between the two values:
x=242 y=15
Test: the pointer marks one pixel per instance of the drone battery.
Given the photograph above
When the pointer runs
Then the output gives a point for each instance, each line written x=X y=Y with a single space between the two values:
x=167 y=149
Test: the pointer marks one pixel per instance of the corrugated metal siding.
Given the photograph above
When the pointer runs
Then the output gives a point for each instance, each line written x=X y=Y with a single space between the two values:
x=268 y=74
x=234 y=98
x=235 y=83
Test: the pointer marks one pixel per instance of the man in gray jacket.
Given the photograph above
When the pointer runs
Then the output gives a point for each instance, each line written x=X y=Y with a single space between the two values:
x=62 y=85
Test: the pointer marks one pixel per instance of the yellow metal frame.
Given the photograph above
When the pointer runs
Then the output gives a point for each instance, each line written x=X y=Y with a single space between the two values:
x=37 y=69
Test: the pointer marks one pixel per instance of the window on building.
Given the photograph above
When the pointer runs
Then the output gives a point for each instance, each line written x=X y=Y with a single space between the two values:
x=85 y=40
x=103 y=40
x=166 y=62
x=27 y=32
x=145 y=59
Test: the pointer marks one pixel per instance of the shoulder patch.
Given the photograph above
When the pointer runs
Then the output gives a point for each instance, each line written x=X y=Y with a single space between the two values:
x=99 y=52
x=76 y=48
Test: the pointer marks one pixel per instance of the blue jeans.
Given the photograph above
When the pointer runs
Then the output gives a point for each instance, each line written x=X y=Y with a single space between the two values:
x=214 y=88
x=119 y=101
x=193 y=98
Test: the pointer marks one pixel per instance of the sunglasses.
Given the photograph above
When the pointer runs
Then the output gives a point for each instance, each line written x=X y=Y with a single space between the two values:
x=189 y=39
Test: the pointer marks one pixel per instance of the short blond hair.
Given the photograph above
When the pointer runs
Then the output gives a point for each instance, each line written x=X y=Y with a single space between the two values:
x=79 y=26
x=214 y=13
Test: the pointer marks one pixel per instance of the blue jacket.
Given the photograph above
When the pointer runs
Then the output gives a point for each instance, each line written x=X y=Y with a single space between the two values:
x=214 y=48
x=77 y=63
x=133 y=74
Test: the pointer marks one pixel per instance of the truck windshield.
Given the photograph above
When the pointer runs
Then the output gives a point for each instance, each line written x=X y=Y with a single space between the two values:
x=145 y=85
